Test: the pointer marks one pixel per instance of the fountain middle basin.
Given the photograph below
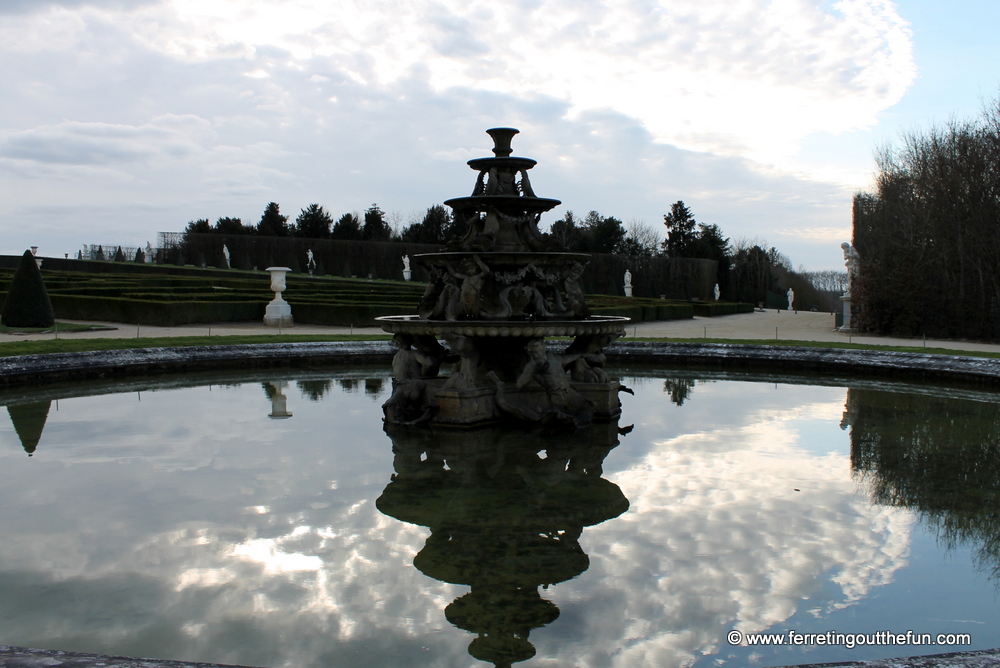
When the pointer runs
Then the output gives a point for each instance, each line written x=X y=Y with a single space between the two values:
x=177 y=518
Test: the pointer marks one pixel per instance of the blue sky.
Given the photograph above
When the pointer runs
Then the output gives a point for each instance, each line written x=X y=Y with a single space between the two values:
x=119 y=118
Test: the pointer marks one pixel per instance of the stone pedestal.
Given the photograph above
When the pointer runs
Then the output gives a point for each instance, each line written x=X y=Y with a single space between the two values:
x=628 y=290
x=278 y=312
x=848 y=326
x=406 y=274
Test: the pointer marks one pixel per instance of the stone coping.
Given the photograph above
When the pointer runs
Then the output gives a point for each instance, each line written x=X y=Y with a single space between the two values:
x=54 y=367
x=881 y=363
x=22 y=657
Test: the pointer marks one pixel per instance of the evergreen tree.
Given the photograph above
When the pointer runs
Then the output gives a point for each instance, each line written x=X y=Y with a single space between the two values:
x=347 y=228
x=313 y=223
x=680 y=230
x=709 y=243
x=27 y=303
x=200 y=226
x=566 y=232
x=375 y=227
x=232 y=226
x=433 y=229
x=119 y=255
x=140 y=257
x=602 y=235
x=272 y=223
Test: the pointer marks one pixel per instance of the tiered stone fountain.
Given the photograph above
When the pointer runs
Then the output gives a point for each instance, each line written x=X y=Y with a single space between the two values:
x=499 y=291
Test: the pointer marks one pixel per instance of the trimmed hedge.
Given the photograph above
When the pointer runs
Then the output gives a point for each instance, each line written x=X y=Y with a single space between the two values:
x=166 y=296
x=150 y=312
x=713 y=309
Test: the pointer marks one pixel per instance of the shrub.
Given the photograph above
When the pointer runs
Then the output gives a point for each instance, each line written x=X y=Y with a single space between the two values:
x=27 y=303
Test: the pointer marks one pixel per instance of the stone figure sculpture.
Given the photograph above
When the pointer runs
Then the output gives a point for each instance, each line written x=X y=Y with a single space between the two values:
x=853 y=263
x=717 y=292
x=225 y=254
x=406 y=263
x=791 y=298
x=628 y=283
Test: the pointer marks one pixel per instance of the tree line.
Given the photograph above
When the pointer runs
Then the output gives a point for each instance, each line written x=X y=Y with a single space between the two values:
x=314 y=222
x=746 y=270
x=929 y=234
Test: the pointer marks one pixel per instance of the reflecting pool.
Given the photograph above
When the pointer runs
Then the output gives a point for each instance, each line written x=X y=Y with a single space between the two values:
x=269 y=520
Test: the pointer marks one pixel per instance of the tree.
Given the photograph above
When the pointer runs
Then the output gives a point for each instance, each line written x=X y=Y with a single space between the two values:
x=200 y=226
x=272 y=223
x=640 y=240
x=566 y=232
x=119 y=255
x=602 y=235
x=232 y=226
x=680 y=224
x=375 y=227
x=433 y=229
x=752 y=276
x=710 y=244
x=313 y=223
x=347 y=228
x=27 y=303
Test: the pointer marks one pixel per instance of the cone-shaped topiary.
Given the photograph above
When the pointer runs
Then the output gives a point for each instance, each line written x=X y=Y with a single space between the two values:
x=27 y=303
x=140 y=257
x=119 y=255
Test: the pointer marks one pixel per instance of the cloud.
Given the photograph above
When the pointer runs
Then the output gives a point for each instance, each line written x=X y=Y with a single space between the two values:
x=75 y=143
x=628 y=107
x=751 y=79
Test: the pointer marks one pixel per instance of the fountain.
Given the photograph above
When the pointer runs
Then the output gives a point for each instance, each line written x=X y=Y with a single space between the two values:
x=498 y=292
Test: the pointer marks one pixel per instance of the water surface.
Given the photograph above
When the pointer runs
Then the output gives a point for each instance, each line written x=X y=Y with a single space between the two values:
x=268 y=520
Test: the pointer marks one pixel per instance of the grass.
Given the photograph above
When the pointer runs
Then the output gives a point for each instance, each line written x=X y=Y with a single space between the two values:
x=12 y=348
x=61 y=326
x=9 y=349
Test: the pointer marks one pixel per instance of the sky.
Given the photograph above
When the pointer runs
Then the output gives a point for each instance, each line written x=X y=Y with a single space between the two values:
x=123 y=118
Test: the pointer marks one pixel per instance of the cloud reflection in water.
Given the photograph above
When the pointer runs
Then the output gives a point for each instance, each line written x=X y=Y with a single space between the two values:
x=245 y=540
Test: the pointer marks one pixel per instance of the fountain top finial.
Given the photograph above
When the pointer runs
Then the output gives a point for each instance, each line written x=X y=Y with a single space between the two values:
x=501 y=140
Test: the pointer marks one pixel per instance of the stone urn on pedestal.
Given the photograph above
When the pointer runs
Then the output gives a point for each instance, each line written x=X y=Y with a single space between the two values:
x=501 y=288
x=278 y=312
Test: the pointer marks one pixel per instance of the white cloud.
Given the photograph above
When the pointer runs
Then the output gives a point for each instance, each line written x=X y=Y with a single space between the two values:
x=751 y=78
x=628 y=106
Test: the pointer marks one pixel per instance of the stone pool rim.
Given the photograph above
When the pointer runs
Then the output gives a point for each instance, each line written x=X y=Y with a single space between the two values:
x=40 y=369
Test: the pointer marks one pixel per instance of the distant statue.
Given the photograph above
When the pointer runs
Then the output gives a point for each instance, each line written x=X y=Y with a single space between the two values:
x=628 y=283
x=791 y=298
x=717 y=292
x=149 y=252
x=225 y=253
x=406 y=268
x=853 y=263
x=310 y=261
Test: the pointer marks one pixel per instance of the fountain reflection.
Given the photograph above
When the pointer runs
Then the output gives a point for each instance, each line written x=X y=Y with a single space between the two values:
x=506 y=509
x=937 y=455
